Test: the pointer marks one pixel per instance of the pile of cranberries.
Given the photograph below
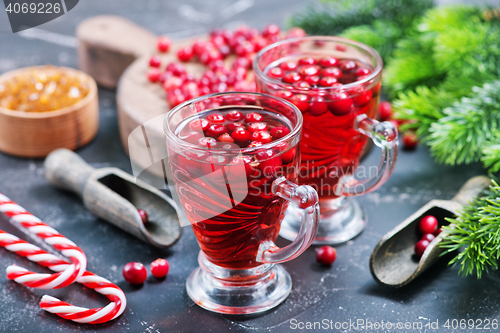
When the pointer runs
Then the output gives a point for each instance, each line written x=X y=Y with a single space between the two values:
x=136 y=273
x=324 y=72
x=236 y=130
x=227 y=56
x=428 y=228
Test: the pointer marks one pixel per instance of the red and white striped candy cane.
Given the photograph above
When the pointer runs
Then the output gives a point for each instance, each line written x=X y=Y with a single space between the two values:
x=88 y=279
x=50 y=236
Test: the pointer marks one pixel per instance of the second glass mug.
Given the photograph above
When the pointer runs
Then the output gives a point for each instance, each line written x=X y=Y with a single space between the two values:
x=235 y=198
x=338 y=120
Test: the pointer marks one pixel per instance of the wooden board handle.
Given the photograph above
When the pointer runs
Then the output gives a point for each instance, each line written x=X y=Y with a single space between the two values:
x=65 y=169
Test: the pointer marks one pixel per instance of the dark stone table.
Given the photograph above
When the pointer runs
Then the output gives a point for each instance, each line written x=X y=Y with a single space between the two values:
x=343 y=293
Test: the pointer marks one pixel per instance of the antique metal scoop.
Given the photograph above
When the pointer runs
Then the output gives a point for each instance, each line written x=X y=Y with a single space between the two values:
x=392 y=262
x=115 y=196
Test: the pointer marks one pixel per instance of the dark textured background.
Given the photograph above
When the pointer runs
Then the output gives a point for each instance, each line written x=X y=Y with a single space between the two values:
x=343 y=292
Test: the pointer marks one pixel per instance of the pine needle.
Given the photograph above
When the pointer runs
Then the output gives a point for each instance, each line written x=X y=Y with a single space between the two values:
x=476 y=232
x=459 y=136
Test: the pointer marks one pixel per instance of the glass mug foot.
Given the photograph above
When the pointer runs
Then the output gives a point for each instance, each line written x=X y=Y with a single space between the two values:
x=344 y=222
x=231 y=291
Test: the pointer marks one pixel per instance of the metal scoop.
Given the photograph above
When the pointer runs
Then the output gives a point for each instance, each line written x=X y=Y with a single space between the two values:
x=115 y=196
x=392 y=262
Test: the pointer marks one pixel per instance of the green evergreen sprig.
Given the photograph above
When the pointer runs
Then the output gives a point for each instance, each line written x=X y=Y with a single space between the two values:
x=331 y=17
x=466 y=127
x=476 y=232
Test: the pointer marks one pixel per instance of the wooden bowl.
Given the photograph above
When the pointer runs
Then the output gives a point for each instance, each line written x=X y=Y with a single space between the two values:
x=36 y=134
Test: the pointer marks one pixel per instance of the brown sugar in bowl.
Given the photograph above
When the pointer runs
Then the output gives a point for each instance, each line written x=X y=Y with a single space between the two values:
x=36 y=134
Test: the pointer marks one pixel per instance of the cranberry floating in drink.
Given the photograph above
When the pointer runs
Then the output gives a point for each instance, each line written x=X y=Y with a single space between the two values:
x=235 y=184
x=335 y=83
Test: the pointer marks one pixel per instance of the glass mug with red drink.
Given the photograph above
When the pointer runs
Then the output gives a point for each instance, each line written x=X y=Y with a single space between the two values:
x=335 y=82
x=234 y=158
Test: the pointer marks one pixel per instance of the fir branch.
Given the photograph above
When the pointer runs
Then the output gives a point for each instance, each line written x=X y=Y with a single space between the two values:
x=461 y=134
x=334 y=16
x=382 y=35
x=491 y=153
x=476 y=230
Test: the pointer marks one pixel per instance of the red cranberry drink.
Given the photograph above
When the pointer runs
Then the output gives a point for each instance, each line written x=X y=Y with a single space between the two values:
x=335 y=83
x=234 y=159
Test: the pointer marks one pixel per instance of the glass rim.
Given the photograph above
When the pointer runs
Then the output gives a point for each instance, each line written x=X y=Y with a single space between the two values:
x=376 y=71
x=170 y=134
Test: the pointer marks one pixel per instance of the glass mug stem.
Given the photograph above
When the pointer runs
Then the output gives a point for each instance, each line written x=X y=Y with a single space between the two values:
x=305 y=199
x=384 y=135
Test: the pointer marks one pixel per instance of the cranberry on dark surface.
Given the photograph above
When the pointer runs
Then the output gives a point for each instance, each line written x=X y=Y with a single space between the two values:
x=159 y=268
x=410 y=140
x=326 y=255
x=135 y=273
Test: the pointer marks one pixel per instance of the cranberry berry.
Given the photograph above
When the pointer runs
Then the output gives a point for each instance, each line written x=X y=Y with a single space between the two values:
x=279 y=132
x=216 y=118
x=163 y=43
x=155 y=61
x=340 y=103
x=241 y=135
x=225 y=138
x=234 y=115
x=207 y=142
x=255 y=127
x=253 y=117
x=261 y=136
x=159 y=268
x=270 y=162
x=428 y=224
x=410 y=140
x=318 y=106
x=326 y=255
x=428 y=237
x=328 y=62
x=385 y=110
x=420 y=247
x=135 y=273
x=144 y=216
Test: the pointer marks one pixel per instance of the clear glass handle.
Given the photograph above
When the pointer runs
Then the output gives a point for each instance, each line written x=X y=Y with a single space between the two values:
x=305 y=199
x=384 y=135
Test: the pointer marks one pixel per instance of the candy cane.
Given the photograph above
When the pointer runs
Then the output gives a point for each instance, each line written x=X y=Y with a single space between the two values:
x=50 y=236
x=88 y=279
